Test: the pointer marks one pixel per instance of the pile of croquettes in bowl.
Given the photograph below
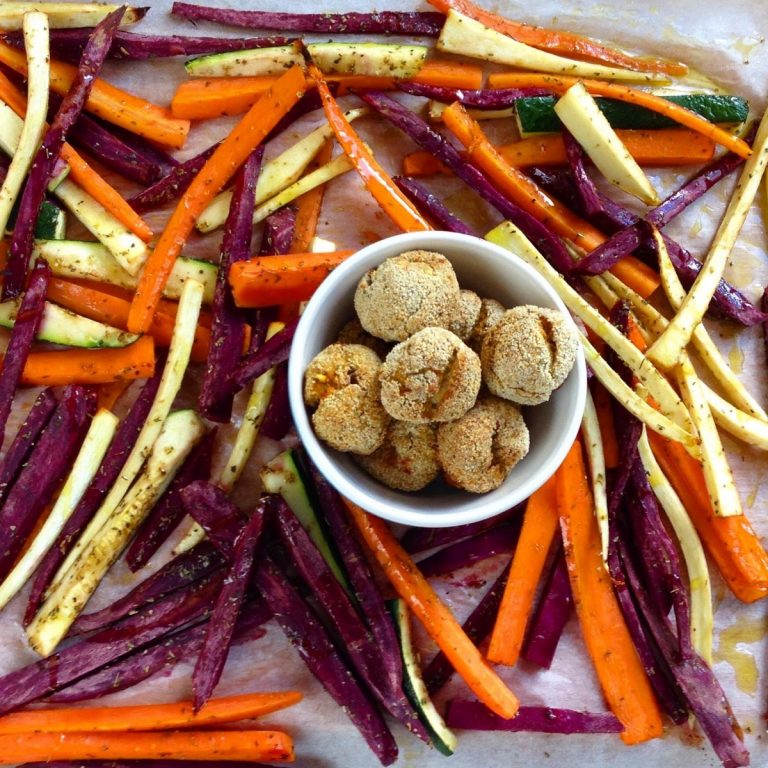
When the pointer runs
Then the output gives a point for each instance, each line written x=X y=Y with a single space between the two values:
x=436 y=379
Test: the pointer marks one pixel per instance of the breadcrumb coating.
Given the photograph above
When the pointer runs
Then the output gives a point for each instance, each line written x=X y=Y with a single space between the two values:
x=432 y=376
x=338 y=366
x=407 y=459
x=352 y=420
x=491 y=311
x=406 y=293
x=467 y=314
x=354 y=333
x=528 y=354
x=478 y=450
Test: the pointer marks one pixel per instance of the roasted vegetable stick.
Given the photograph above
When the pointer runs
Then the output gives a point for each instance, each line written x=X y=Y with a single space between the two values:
x=665 y=351
x=437 y=619
x=621 y=674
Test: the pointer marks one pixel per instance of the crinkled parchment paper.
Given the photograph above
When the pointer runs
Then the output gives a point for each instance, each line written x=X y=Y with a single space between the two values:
x=723 y=41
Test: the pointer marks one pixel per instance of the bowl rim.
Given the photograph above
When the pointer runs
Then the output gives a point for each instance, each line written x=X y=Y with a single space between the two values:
x=321 y=455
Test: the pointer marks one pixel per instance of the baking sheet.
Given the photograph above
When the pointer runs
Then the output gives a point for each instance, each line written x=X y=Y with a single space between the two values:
x=724 y=42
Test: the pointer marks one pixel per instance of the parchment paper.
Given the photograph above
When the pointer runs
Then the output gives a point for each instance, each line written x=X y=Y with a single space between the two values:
x=725 y=42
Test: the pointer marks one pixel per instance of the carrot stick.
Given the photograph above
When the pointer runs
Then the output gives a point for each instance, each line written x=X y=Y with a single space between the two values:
x=556 y=41
x=609 y=643
x=423 y=163
x=90 y=366
x=730 y=541
x=309 y=204
x=218 y=169
x=211 y=97
x=110 y=103
x=149 y=717
x=561 y=83
x=81 y=172
x=109 y=394
x=439 y=72
x=386 y=193
x=536 y=536
x=525 y=193
x=603 y=406
x=12 y=96
x=658 y=148
x=206 y=98
x=437 y=619
x=254 y=746
x=268 y=280
x=113 y=310
x=449 y=74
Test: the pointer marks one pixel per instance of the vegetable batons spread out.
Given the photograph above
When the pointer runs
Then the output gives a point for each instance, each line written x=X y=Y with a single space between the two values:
x=410 y=410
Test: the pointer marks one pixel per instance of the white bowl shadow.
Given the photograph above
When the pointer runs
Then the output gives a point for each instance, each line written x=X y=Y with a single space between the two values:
x=492 y=272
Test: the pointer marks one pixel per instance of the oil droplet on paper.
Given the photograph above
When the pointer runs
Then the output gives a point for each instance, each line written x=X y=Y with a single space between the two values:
x=736 y=359
x=742 y=661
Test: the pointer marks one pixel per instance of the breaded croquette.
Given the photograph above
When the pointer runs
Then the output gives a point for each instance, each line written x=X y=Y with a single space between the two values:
x=528 y=354
x=467 y=314
x=433 y=376
x=407 y=459
x=406 y=293
x=338 y=366
x=478 y=450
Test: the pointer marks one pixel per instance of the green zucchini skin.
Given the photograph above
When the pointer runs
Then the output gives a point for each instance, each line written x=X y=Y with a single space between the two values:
x=443 y=739
x=536 y=114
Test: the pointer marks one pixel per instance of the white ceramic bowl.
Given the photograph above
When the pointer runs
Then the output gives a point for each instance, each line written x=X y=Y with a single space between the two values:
x=492 y=272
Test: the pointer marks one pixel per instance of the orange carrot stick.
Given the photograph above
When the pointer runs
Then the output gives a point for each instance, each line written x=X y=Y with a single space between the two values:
x=109 y=394
x=254 y=746
x=437 y=619
x=309 y=204
x=561 y=83
x=536 y=536
x=113 y=310
x=730 y=541
x=386 y=193
x=211 y=97
x=658 y=148
x=90 y=366
x=81 y=172
x=449 y=74
x=110 y=103
x=603 y=406
x=206 y=98
x=556 y=41
x=268 y=280
x=149 y=717
x=423 y=163
x=439 y=72
x=218 y=169
x=609 y=643
x=525 y=193
x=12 y=96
